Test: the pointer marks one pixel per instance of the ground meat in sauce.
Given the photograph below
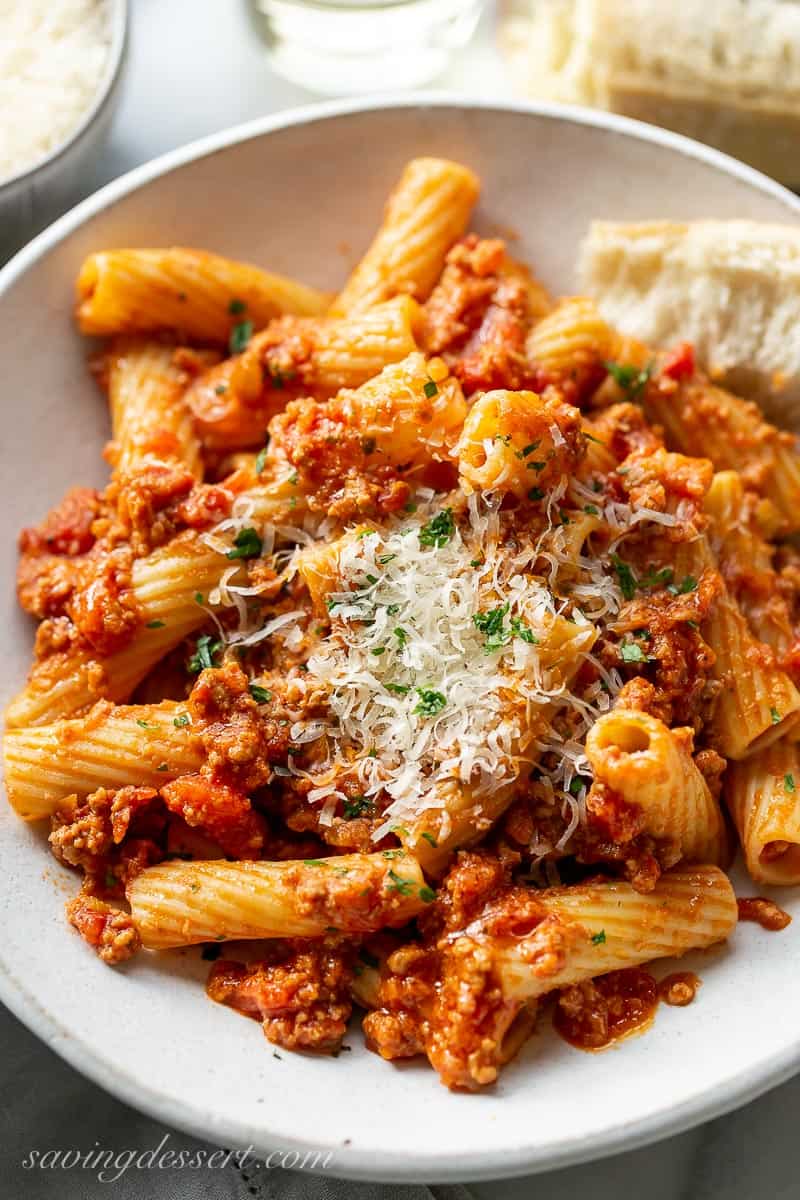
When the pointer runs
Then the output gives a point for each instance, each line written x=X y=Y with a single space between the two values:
x=479 y=314
x=108 y=930
x=300 y=992
x=596 y=1012
x=765 y=913
x=222 y=812
x=679 y=988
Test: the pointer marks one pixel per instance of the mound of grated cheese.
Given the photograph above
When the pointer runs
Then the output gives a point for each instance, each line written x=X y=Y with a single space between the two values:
x=420 y=695
x=53 y=54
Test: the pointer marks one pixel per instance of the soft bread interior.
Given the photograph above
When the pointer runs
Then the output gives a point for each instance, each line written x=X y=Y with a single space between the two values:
x=730 y=287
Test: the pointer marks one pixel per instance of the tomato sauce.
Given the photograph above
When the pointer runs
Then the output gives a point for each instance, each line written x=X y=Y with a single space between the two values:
x=765 y=913
x=594 y=1014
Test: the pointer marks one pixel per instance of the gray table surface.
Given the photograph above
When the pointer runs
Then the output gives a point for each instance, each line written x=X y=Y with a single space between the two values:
x=195 y=67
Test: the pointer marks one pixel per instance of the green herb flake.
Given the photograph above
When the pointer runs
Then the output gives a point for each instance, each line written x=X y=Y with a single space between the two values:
x=401 y=635
x=578 y=784
x=536 y=493
x=788 y=782
x=687 y=584
x=155 y=624
x=410 y=507
x=403 y=887
x=626 y=577
x=198 y=598
x=207 y=650
x=240 y=337
x=427 y=895
x=430 y=389
x=146 y=725
x=181 y=722
x=357 y=806
x=775 y=715
x=314 y=862
x=293 y=478
x=592 y=510
x=631 y=653
x=599 y=939
x=236 y=307
x=631 y=379
x=491 y=624
x=384 y=559
x=246 y=544
x=430 y=839
x=399 y=689
x=431 y=702
x=261 y=457
x=529 y=449
x=656 y=579
x=220 y=389
x=439 y=530
x=377 y=650
x=521 y=630
x=261 y=695
x=591 y=438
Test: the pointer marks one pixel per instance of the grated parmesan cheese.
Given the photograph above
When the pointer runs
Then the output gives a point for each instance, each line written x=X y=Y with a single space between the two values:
x=53 y=54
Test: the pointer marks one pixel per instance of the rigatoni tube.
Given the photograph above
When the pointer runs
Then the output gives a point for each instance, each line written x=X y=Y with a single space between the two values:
x=180 y=903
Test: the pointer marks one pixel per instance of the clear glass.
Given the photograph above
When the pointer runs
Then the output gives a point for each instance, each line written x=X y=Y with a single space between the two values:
x=340 y=47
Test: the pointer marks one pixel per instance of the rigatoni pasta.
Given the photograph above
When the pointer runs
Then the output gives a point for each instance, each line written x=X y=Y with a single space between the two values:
x=419 y=639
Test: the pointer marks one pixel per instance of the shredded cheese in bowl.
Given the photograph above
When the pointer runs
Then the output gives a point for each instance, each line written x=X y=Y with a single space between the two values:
x=53 y=59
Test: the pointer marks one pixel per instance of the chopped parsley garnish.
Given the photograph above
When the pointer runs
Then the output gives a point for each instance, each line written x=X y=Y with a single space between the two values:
x=430 y=389
x=261 y=695
x=372 y=578
x=383 y=559
x=431 y=703
x=220 y=389
x=578 y=784
x=145 y=724
x=397 y=884
x=592 y=510
x=236 y=307
x=438 y=530
x=155 y=624
x=598 y=939
x=776 y=716
x=521 y=630
x=261 y=457
x=356 y=806
x=430 y=839
x=536 y=465
x=654 y=579
x=631 y=379
x=491 y=624
x=687 y=584
x=246 y=544
x=788 y=781
x=626 y=577
x=411 y=507
x=198 y=597
x=427 y=895
x=203 y=658
x=314 y=862
x=591 y=438
x=630 y=652
x=181 y=721
x=293 y=478
x=378 y=650
x=401 y=635
x=240 y=337
x=529 y=449
x=399 y=689
x=536 y=493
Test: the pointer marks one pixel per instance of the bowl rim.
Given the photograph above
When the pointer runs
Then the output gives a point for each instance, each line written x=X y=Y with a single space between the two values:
x=352 y=1163
x=119 y=21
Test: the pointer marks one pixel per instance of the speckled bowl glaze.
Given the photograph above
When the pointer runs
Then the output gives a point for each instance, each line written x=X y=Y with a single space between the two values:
x=288 y=192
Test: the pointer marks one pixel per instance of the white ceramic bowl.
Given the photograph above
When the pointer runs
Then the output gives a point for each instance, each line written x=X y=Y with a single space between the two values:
x=287 y=192
x=31 y=199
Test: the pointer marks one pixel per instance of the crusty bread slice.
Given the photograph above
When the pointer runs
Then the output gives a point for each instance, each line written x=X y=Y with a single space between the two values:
x=724 y=71
x=730 y=287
